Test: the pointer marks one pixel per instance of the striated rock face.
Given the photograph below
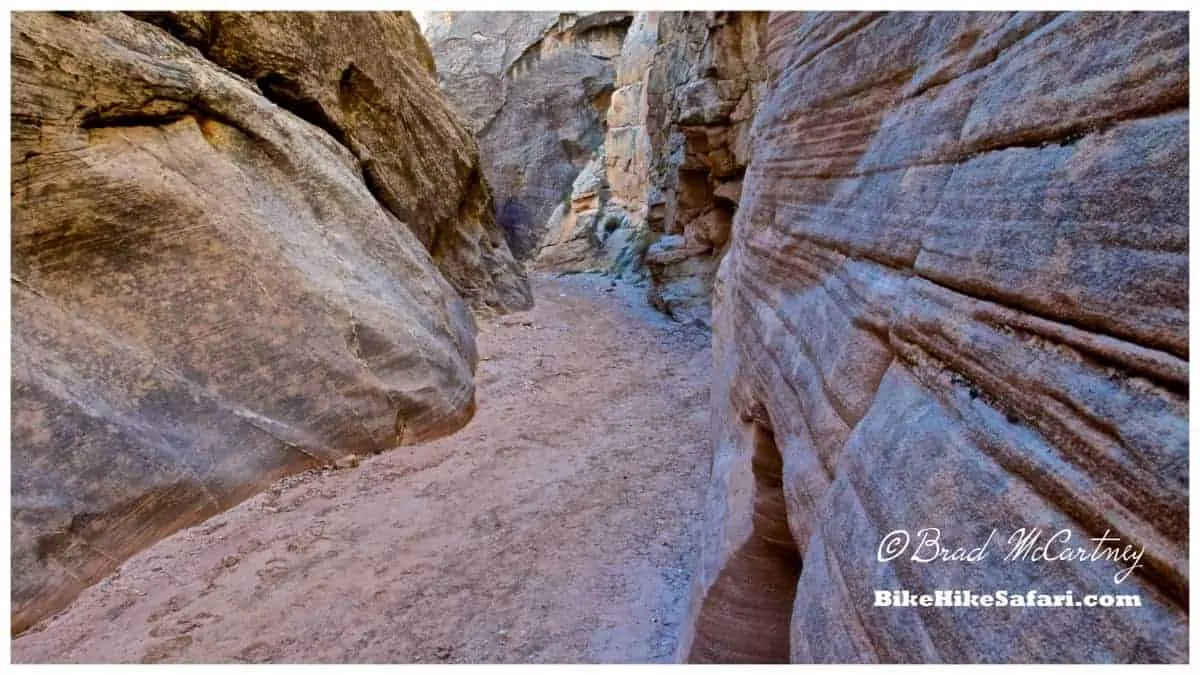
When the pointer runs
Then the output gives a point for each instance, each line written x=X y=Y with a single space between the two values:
x=211 y=289
x=677 y=146
x=956 y=298
x=535 y=87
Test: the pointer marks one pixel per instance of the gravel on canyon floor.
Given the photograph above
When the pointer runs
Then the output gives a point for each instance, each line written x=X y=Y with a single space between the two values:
x=558 y=526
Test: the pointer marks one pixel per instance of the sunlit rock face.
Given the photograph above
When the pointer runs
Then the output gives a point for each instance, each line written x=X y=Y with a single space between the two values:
x=677 y=147
x=955 y=297
x=243 y=244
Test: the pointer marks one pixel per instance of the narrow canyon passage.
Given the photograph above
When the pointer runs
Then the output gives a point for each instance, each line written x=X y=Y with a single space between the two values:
x=558 y=526
x=859 y=337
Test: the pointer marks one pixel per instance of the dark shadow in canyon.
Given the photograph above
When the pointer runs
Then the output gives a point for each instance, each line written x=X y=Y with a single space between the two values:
x=746 y=615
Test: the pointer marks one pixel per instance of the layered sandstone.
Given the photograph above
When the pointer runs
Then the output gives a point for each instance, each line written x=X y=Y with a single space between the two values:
x=535 y=88
x=231 y=261
x=955 y=297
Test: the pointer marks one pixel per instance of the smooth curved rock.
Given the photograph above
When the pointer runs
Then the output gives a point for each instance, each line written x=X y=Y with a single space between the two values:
x=340 y=71
x=207 y=294
x=955 y=297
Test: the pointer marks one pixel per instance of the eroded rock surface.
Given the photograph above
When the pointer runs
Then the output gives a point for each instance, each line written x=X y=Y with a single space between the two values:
x=677 y=146
x=956 y=297
x=340 y=72
x=211 y=290
x=535 y=87
x=579 y=233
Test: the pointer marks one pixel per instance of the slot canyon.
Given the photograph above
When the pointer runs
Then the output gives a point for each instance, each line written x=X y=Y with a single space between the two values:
x=619 y=337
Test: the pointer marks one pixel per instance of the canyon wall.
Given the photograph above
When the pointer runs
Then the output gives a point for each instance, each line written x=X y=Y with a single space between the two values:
x=534 y=87
x=243 y=245
x=677 y=146
x=955 y=297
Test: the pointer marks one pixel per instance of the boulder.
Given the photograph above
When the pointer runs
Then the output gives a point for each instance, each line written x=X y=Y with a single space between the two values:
x=224 y=271
x=328 y=68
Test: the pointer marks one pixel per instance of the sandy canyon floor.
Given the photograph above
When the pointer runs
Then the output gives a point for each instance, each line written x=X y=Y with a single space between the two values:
x=559 y=526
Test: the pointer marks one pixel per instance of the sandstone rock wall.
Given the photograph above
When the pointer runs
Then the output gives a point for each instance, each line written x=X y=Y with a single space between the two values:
x=677 y=146
x=231 y=261
x=956 y=297
x=535 y=87
x=597 y=228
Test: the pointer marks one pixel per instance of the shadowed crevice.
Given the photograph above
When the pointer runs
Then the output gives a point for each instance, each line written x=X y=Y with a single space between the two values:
x=745 y=616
